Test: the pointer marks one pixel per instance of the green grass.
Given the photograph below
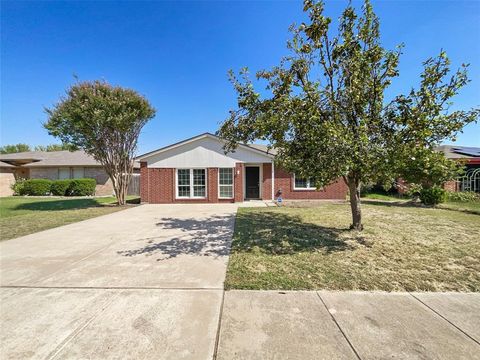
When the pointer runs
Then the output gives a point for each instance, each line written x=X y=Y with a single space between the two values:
x=403 y=248
x=21 y=216
x=466 y=206
x=386 y=197
x=471 y=207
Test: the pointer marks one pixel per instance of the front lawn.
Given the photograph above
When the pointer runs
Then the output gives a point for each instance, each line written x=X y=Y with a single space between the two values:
x=403 y=248
x=25 y=215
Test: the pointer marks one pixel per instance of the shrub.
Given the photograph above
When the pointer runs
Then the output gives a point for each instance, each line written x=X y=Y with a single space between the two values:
x=433 y=195
x=18 y=187
x=463 y=196
x=37 y=187
x=60 y=187
x=81 y=187
x=413 y=190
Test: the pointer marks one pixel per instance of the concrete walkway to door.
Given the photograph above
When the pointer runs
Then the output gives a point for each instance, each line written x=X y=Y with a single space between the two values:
x=146 y=282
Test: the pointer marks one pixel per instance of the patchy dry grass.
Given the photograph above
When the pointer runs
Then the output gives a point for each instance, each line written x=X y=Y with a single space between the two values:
x=21 y=216
x=403 y=248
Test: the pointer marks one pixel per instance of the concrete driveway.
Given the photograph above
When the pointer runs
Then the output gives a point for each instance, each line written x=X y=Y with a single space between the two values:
x=146 y=282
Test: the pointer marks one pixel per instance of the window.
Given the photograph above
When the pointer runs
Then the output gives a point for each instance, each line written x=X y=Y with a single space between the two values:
x=225 y=183
x=78 y=173
x=183 y=180
x=304 y=183
x=199 y=182
x=71 y=173
x=64 y=173
x=191 y=183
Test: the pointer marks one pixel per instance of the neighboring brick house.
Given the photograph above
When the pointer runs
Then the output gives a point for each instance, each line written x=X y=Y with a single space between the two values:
x=53 y=165
x=7 y=178
x=470 y=180
x=197 y=170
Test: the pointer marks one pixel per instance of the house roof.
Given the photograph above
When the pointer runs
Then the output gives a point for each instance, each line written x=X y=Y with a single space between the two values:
x=51 y=158
x=253 y=147
x=459 y=152
x=5 y=165
x=264 y=148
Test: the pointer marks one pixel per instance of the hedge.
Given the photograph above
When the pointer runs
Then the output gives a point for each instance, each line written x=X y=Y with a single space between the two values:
x=463 y=196
x=36 y=187
x=81 y=187
x=60 y=187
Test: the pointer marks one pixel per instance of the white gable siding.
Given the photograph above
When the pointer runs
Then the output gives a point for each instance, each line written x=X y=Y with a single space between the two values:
x=204 y=152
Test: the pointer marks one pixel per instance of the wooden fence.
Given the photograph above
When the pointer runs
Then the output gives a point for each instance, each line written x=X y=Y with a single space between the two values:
x=134 y=185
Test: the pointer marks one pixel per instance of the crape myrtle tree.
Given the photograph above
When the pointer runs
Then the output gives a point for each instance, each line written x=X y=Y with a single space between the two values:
x=326 y=113
x=105 y=121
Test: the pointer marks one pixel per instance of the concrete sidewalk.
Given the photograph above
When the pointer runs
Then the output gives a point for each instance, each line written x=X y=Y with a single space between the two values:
x=349 y=325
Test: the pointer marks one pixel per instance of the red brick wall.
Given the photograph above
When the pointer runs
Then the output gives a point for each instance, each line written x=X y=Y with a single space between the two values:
x=212 y=184
x=451 y=186
x=284 y=181
x=238 y=176
x=267 y=182
x=161 y=187
x=157 y=186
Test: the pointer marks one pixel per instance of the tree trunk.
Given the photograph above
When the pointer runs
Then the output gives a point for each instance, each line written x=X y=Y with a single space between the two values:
x=354 y=187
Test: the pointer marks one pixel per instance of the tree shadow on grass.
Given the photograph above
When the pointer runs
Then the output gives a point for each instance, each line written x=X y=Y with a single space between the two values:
x=418 y=205
x=275 y=233
x=200 y=237
x=56 y=205
x=46 y=204
x=405 y=204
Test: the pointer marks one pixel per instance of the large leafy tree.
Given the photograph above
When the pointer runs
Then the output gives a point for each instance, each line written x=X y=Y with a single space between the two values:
x=105 y=121
x=14 y=148
x=326 y=112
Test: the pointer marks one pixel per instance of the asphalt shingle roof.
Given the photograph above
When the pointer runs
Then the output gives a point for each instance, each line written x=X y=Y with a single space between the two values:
x=51 y=158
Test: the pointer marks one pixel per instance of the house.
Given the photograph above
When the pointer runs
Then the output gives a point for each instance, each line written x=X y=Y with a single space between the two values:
x=470 y=180
x=198 y=170
x=52 y=165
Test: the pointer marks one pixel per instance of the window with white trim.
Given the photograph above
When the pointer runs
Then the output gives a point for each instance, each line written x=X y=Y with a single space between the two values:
x=302 y=183
x=225 y=183
x=191 y=183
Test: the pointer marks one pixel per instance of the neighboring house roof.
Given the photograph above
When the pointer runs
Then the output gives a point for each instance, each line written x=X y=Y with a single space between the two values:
x=459 y=152
x=5 y=165
x=51 y=159
x=252 y=147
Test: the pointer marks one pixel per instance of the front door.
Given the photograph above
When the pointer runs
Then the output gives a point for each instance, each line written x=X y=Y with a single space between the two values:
x=252 y=182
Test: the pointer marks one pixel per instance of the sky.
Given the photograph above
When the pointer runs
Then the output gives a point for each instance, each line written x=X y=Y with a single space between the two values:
x=177 y=55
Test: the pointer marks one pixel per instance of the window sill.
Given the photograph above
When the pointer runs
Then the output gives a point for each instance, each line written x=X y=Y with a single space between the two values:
x=190 y=198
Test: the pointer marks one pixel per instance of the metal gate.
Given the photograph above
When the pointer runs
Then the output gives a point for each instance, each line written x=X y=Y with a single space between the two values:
x=470 y=181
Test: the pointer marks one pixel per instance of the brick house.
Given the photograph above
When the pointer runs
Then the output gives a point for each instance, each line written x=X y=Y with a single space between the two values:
x=198 y=170
x=53 y=165
x=470 y=156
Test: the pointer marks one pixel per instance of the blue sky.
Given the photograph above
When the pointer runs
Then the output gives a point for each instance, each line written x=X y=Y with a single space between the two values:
x=177 y=54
